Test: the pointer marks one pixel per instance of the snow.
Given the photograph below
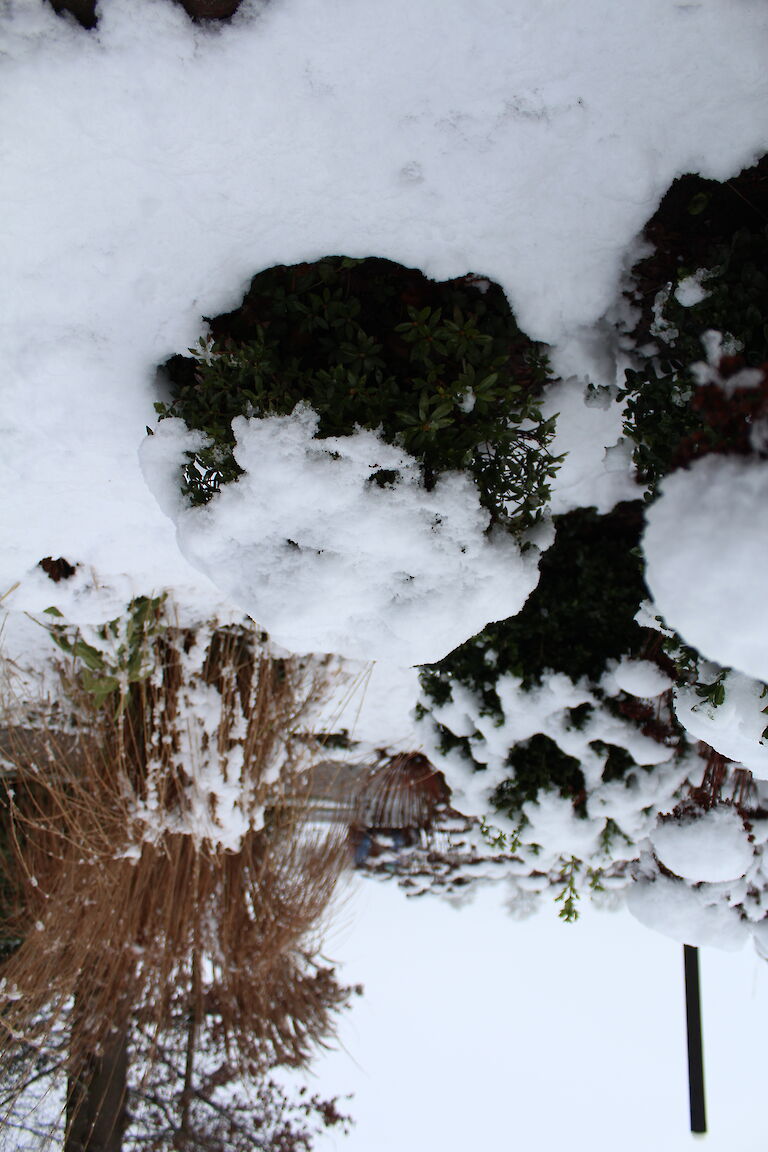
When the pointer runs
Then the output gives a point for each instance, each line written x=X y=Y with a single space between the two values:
x=675 y=909
x=638 y=678
x=735 y=727
x=307 y=543
x=711 y=846
x=149 y=171
x=716 y=346
x=608 y=834
x=541 y=709
x=596 y=469
x=690 y=290
x=706 y=552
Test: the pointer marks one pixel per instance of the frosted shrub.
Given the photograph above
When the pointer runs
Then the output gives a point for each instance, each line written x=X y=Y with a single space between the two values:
x=356 y=456
x=586 y=722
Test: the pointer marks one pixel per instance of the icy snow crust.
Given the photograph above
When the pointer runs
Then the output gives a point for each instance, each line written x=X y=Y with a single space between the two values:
x=151 y=168
x=307 y=543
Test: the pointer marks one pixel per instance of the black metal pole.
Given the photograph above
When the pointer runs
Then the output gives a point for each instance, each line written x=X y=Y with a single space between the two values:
x=695 y=1048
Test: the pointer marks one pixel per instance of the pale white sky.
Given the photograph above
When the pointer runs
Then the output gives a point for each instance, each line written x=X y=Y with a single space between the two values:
x=479 y=1031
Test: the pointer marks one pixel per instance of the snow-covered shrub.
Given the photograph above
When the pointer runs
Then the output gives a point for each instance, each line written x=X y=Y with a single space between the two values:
x=734 y=723
x=440 y=370
x=556 y=726
x=566 y=775
x=583 y=788
x=364 y=453
x=574 y=728
x=563 y=730
x=697 y=411
x=707 y=272
x=705 y=551
x=705 y=542
x=580 y=616
x=705 y=457
x=702 y=877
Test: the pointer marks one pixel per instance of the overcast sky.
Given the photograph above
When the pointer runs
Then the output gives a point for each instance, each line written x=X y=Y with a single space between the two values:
x=477 y=1030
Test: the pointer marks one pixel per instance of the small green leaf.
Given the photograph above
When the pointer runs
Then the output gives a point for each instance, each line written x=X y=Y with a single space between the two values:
x=698 y=203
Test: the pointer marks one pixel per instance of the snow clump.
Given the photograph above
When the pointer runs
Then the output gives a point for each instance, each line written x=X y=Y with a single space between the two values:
x=327 y=559
x=681 y=912
x=706 y=551
x=735 y=727
x=640 y=678
x=690 y=290
x=710 y=846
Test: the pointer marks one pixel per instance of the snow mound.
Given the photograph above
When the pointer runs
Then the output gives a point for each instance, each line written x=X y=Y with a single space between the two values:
x=712 y=846
x=640 y=678
x=327 y=560
x=674 y=909
x=706 y=551
x=735 y=727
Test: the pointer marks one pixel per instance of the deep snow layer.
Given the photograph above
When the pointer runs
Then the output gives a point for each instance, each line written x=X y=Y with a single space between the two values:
x=149 y=169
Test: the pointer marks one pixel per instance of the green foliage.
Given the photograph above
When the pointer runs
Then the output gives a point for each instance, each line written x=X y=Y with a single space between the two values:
x=580 y=615
x=712 y=690
x=736 y=284
x=442 y=370
x=618 y=762
x=568 y=894
x=568 y=870
x=713 y=693
x=499 y=840
x=538 y=765
x=658 y=416
x=611 y=832
x=119 y=657
x=663 y=413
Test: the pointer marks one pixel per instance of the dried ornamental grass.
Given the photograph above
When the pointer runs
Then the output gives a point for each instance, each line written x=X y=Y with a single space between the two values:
x=159 y=862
